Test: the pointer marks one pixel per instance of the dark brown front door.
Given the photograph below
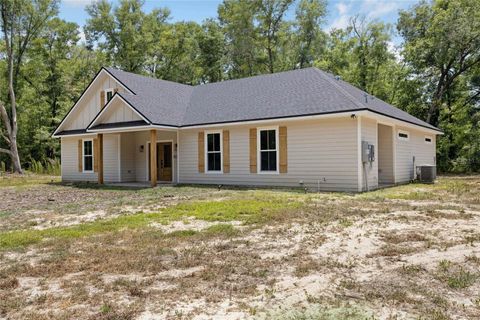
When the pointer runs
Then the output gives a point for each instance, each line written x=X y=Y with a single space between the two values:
x=164 y=162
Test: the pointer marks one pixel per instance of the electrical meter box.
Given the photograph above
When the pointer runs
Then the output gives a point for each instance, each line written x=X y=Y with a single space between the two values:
x=368 y=152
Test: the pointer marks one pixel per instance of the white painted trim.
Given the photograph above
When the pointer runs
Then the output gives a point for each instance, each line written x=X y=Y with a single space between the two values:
x=268 y=121
x=102 y=71
x=428 y=137
x=381 y=119
x=130 y=129
x=394 y=140
x=376 y=153
x=359 y=153
x=178 y=156
x=207 y=132
x=109 y=103
x=369 y=114
x=259 y=142
x=391 y=121
x=148 y=156
x=119 y=157
x=403 y=132
x=83 y=156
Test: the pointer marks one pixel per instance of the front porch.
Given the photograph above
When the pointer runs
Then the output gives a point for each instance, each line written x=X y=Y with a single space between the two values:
x=128 y=158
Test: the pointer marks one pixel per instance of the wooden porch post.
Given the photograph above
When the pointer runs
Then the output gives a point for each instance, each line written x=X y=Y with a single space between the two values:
x=153 y=157
x=100 y=158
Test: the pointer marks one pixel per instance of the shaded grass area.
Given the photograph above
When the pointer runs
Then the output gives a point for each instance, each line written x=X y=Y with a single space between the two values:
x=465 y=189
x=248 y=211
x=13 y=180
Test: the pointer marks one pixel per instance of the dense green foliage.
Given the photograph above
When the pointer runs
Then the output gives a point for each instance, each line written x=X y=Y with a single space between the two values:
x=434 y=73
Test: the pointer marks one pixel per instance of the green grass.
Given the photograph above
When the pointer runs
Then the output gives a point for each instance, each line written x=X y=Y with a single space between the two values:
x=26 y=180
x=319 y=312
x=247 y=211
x=456 y=277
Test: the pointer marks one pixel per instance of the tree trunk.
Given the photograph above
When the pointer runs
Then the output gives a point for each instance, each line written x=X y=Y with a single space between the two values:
x=15 y=157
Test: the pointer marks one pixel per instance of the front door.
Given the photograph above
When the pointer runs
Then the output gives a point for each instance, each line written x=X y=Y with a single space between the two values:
x=164 y=161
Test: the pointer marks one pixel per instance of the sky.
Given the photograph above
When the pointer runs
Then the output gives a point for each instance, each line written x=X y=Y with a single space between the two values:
x=338 y=11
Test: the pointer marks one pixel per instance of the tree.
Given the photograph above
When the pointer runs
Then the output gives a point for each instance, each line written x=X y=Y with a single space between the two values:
x=211 y=43
x=125 y=32
x=360 y=55
x=270 y=18
x=176 y=53
x=310 y=15
x=442 y=42
x=237 y=21
x=21 y=22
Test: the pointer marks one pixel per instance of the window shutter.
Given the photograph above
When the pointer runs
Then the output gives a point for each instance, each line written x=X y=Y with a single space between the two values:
x=226 y=151
x=282 y=136
x=80 y=155
x=95 y=155
x=102 y=99
x=253 y=150
x=201 y=152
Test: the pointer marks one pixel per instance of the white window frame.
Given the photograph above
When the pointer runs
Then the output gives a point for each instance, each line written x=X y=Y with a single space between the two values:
x=112 y=90
x=206 y=151
x=403 y=132
x=259 y=145
x=428 y=137
x=83 y=156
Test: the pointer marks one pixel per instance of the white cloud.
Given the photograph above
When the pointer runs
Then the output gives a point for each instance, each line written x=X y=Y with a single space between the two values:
x=343 y=17
x=376 y=9
x=77 y=3
x=342 y=8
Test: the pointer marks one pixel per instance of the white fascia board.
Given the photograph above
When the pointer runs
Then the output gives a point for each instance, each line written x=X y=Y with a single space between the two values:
x=130 y=129
x=392 y=121
x=275 y=120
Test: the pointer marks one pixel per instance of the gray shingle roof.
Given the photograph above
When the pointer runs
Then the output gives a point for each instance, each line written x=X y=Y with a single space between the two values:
x=286 y=94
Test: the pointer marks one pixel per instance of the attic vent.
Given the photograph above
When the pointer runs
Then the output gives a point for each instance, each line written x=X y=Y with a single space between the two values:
x=338 y=78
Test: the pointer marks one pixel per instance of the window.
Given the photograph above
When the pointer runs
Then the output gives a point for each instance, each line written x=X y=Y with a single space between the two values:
x=403 y=135
x=428 y=140
x=109 y=94
x=87 y=155
x=268 y=150
x=214 y=152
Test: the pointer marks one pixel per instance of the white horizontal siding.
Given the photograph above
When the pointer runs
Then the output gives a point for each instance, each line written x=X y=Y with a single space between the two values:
x=128 y=150
x=111 y=157
x=69 y=153
x=406 y=150
x=142 y=138
x=318 y=151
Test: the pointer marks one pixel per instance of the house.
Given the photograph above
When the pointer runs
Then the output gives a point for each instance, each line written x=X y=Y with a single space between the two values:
x=296 y=128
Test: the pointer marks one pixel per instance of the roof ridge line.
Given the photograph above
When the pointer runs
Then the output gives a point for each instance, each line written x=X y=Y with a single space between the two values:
x=345 y=93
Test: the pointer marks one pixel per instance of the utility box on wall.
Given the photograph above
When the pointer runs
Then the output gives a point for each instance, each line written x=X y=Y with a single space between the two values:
x=368 y=152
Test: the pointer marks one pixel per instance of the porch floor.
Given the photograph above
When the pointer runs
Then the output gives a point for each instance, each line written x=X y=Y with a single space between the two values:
x=135 y=184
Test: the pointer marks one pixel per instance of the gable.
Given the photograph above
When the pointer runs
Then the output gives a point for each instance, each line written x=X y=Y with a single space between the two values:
x=117 y=111
x=89 y=105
